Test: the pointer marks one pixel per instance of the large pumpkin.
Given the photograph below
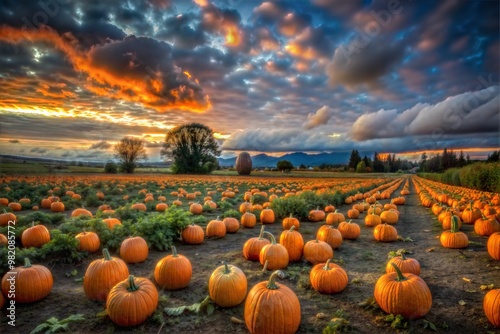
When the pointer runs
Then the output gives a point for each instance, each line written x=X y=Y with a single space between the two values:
x=31 y=282
x=244 y=164
x=491 y=306
x=253 y=246
x=102 y=275
x=493 y=246
x=174 y=271
x=293 y=242
x=132 y=301
x=486 y=226
x=274 y=254
x=272 y=308
x=328 y=278
x=134 y=250
x=406 y=294
x=35 y=236
x=227 y=285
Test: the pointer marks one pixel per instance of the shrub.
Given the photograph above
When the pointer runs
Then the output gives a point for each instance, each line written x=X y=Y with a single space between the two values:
x=231 y=213
x=111 y=168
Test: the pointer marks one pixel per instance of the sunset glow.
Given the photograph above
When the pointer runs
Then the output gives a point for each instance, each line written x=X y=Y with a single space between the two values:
x=265 y=76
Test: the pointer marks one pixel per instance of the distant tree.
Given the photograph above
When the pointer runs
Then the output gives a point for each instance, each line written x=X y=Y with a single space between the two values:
x=110 y=167
x=354 y=159
x=368 y=161
x=302 y=166
x=378 y=166
x=494 y=157
x=129 y=151
x=467 y=159
x=461 y=159
x=361 y=167
x=193 y=149
x=284 y=165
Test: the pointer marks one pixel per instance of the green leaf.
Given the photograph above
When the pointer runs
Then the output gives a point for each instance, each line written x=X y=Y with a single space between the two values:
x=210 y=309
x=175 y=311
x=102 y=313
x=39 y=328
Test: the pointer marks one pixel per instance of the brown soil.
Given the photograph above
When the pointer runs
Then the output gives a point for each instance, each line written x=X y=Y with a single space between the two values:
x=364 y=260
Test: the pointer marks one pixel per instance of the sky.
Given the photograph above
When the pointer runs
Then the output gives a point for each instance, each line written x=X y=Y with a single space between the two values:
x=403 y=77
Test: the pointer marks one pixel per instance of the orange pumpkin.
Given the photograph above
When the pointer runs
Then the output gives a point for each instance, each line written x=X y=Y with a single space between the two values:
x=193 y=234
x=316 y=251
x=35 y=236
x=491 y=306
x=328 y=278
x=134 y=250
x=293 y=242
x=253 y=246
x=274 y=254
x=89 y=241
x=174 y=271
x=227 y=286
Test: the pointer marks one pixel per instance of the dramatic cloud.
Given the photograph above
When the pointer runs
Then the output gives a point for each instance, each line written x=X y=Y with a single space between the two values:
x=321 y=117
x=101 y=145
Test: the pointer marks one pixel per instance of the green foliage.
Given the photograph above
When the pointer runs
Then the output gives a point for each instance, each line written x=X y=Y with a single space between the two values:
x=207 y=305
x=207 y=208
x=110 y=168
x=160 y=230
x=231 y=213
x=338 y=324
x=284 y=165
x=127 y=213
x=300 y=205
x=199 y=220
x=258 y=199
x=225 y=205
x=54 y=325
x=42 y=218
x=361 y=167
x=92 y=201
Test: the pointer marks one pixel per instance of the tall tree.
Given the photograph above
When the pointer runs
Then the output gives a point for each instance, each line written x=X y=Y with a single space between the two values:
x=354 y=159
x=461 y=159
x=192 y=148
x=129 y=151
x=495 y=156
x=378 y=166
x=423 y=160
x=368 y=161
x=284 y=165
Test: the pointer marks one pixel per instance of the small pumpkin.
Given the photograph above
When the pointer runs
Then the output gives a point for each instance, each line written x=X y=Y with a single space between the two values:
x=491 y=306
x=253 y=246
x=57 y=207
x=385 y=233
x=334 y=218
x=248 y=220
x=216 y=228
x=193 y=234
x=272 y=308
x=372 y=220
x=406 y=294
x=81 y=212
x=406 y=264
x=35 y=236
x=6 y=217
x=174 y=271
x=328 y=278
x=274 y=254
x=3 y=241
x=227 y=285
x=330 y=235
x=102 y=274
x=131 y=301
x=134 y=250
x=293 y=242
x=161 y=207
x=316 y=251
x=353 y=213
x=139 y=207
x=349 y=230
x=32 y=282
x=89 y=241
x=267 y=216
x=112 y=222
x=454 y=238
x=232 y=224
x=316 y=215
x=288 y=222
x=389 y=217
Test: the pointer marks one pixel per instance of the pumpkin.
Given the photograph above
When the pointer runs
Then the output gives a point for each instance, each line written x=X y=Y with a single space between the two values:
x=193 y=234
x=57 y=207
x=486 y=226
x=334 y=218
x=174 y=271
x=112 y=222
x=294 y=244
x=246 y=206
x=454 y=238
x=267 y=216
x=372 y=220
x=349 y=230
x=139 y=207
x=407 y=265
x=493 y=246
x=6 y=217
x=35 y=236
x=216 y=228
x=330 y=235
x=316 y=215
x=100 y=195
x=14 y=206
x=3 y=241
x=248 y=220
x=406 y=294
x=491 y=306
x=134 y=250
x=81 y=212
x=288 y=222
x=132 y=301
x=471 y=214
x=390 y=217
x=232 y=224
x=161 y=207
x=316 y=251
x=446 y=224
x=274 y=254
x=211 y=204
x=385 y=233
x=4 y=201
x=88 y=241
x=328 y=278
x=353 y=213
x=227 y=285
x=32 y=282
x=243 y=164
x=253 y=246
x=102 y=274
x=329 y=208
x=45 y=203
x=272 y=308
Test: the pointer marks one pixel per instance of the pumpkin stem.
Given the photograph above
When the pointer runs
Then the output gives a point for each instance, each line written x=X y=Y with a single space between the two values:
x=271 y=284
x=32 y=223
x=273 y=239
x=131 y=284
x=105 y=252
x=27 y=263
x=226 y=268
x=403 y=257
x=261 y=232
x=327 y=265
x=174 y=252
x=400 y=277
x=291 y=215
x=454 y=224
x=291 y=228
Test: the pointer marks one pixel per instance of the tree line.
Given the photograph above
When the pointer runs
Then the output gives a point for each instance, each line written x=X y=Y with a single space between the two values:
x=449 y=159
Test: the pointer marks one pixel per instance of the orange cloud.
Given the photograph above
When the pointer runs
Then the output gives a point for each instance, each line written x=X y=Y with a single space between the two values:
x=155 y=89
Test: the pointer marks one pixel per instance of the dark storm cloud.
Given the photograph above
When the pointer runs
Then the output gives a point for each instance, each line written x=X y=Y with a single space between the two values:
x=101 y=145
x=179 y=31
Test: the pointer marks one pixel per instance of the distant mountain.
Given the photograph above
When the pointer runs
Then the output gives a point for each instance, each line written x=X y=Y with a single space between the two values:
x=298 y=158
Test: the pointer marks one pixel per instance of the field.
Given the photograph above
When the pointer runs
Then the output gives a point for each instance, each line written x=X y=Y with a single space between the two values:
x=458 y=279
